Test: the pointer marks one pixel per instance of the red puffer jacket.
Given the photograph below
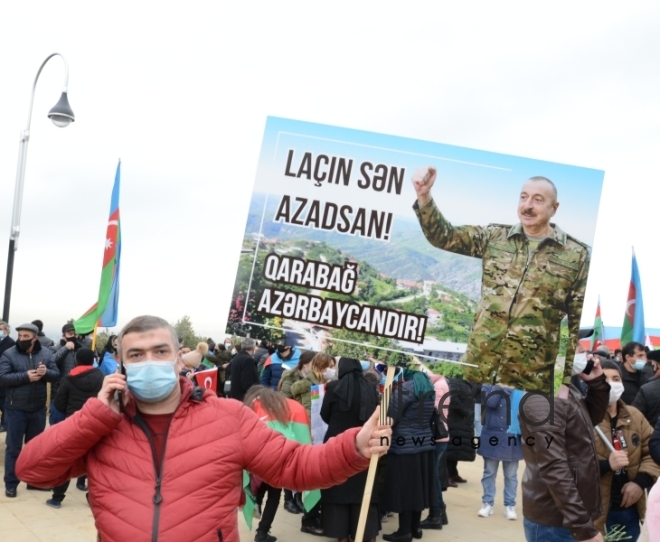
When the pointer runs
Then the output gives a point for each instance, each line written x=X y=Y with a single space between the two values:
x=209 y=443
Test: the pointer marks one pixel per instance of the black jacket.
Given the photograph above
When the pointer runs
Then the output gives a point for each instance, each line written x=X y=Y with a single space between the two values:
x=654 y=443
x=21 y=393
x=77 y=388
x=5 y=344
x=461 y=421
x=243 y=375
x=65 y=360
x=648 y=400
x=352 y=490
x=632 y=382
x=411 y=431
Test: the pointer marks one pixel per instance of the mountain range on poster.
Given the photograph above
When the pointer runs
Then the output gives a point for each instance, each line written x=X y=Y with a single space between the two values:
x=407 y=255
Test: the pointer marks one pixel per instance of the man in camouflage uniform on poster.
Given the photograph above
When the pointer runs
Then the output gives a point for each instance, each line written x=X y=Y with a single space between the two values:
x=533 y=275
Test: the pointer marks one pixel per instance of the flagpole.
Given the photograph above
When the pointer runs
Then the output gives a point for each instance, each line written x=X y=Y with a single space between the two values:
x=373 y=465
x=96 y=326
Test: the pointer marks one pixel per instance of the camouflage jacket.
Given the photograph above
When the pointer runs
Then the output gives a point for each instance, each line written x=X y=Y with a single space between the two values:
x=515 y=334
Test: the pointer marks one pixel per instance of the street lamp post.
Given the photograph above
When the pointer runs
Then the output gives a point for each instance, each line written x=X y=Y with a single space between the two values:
x=61 y=115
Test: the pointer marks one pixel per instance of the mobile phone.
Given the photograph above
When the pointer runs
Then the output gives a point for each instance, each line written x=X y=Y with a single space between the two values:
x=119 y=396
x=589 y=367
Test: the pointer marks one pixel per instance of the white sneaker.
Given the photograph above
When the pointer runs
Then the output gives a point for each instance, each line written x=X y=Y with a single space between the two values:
x=511 y=512
x=486 y=510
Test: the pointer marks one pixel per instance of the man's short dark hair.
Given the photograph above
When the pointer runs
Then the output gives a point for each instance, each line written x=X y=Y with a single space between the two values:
x=609 y=364
x=539 y=178
x=653 y=355
x=141 y=324
x=39 y=324
x=629 y=349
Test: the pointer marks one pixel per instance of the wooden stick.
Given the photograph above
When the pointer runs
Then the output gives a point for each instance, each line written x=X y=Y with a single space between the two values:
x=371 y=474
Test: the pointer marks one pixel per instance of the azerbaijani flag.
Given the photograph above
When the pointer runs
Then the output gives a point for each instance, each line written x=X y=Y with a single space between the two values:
x=104 y=311
x=633 y=320
x=598 y=334
x=297 y=429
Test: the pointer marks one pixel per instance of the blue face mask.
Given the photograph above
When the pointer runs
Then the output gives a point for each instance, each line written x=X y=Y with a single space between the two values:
x=639 y=365
x=365 y=365
x=151 y=381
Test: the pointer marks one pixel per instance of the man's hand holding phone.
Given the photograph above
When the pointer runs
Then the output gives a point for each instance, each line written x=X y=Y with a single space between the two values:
x=113 y=383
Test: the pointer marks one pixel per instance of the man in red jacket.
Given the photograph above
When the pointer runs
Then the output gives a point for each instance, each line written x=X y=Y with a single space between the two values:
x=155 y=448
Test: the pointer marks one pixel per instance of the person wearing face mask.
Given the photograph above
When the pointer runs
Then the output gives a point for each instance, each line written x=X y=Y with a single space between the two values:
x=65 y=359
x=300 y=371
x=293 y=503
x=647 y=400
x=321 y=371
x=6 y=342
x=24 y=371
x=629 y=470
x=348 y=402
x=272 y=371
x=289 y=378
x=561 y=486
x=301 y=391
x=635 y=369
x=155 y=448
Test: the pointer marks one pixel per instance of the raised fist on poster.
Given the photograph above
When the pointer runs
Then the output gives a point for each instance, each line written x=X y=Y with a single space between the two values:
x=423 y=179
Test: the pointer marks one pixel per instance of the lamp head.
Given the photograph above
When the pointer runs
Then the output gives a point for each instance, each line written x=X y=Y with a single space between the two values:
x=61 y=113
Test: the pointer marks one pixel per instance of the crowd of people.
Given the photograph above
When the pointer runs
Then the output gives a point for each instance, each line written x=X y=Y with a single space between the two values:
x=602 y=437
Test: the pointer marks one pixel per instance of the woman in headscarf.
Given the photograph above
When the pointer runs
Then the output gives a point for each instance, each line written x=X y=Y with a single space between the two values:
x=348 y=402
x=409 y=485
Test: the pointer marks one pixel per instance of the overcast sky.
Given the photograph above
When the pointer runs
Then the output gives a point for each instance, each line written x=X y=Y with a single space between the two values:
x=182 y=97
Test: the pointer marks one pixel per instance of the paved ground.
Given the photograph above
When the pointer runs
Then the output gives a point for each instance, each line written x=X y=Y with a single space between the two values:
x=27 y=518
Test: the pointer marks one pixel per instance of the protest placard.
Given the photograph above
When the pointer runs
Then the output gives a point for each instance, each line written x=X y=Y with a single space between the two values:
x=339 y=255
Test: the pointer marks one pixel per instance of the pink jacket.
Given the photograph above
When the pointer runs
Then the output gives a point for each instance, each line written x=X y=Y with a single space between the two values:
x=209 y=443
x=441 y=388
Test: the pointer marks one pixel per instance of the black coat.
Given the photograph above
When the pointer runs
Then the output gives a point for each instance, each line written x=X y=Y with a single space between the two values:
x=75 y=389
x=5 y=344
x=632 y=382
x=461 y=421
x=243 y=375
x=654 y=443
x=352 y=490
x=14 y=366
x=411 y=431
x=648 y=400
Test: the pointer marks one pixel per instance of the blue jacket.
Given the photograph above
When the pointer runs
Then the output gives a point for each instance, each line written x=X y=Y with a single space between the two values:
x=108 y=364
x=21 y=393
x=272 y=371
x=508 y=447
x=411 y=432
